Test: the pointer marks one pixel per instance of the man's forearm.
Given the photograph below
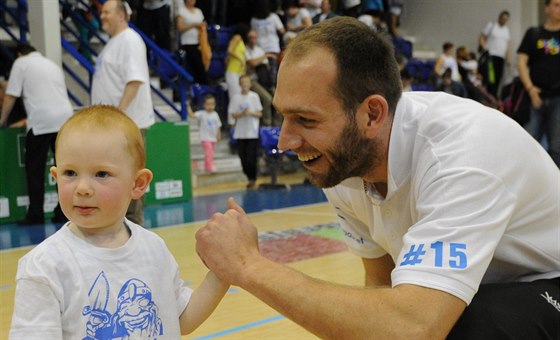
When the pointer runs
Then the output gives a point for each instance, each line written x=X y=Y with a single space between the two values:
x=343 y=312
x=7 y=106
x=130 y=92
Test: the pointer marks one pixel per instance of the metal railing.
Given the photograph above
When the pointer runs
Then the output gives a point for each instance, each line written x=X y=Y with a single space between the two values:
x=160 y=62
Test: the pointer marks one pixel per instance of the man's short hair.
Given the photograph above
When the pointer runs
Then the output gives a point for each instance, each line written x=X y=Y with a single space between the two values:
x=365 y=60
x=24 y=49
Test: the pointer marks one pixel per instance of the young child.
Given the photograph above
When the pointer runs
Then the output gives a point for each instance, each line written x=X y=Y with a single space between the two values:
x=210 y=132
x=245 y=109
x=101 y=276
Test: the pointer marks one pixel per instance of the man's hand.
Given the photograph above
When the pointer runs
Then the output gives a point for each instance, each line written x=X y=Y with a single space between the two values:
x=228 y=243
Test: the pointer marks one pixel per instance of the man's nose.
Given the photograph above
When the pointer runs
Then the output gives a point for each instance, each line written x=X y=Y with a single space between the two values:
x=288 y=139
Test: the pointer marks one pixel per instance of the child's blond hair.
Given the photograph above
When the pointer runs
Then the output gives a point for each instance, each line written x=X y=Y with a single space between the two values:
x=108 y=118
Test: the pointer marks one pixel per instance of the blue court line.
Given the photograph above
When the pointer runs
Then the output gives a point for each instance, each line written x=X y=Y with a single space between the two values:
x=240 y=328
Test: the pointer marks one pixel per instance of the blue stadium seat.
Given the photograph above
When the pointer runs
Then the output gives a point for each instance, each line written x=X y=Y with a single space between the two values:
x=268 y=137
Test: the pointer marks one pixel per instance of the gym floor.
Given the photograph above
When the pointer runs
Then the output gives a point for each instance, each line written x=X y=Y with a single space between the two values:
x=296 y=227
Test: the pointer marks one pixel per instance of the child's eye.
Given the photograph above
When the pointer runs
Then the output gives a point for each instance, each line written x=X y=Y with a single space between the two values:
x=102 y=174
x=69 y=173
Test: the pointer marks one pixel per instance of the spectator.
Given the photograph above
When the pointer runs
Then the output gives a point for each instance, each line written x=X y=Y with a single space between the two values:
x=18 y=116
x=269 y=28
x=154 y=19
x=87 y=12
x=209 y=128
x=122 y=78
x=236 y=62
x=468 y=69
x=446 y=61
x=259 y=71
x=312 y=6
x=538 y=63
x=448 y=85
x=190 y=22
x=395 y=10
x=297 y=18
x=352 y=8
x=40 y=82
x=326 y=12
x=495 y=40
x=246 y=110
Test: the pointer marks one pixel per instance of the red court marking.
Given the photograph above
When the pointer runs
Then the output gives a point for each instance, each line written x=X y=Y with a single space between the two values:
x=299 y=247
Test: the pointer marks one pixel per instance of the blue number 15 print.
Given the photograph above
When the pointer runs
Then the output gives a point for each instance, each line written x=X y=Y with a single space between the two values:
x=457 y=255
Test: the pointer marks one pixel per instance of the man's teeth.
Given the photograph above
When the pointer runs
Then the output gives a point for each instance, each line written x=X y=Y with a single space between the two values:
x=306 y=158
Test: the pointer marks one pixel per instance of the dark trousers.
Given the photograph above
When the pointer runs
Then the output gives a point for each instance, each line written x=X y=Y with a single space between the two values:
x=247 y=150
x=36 y=151
x=518 y=310
x=193 y=64
x=498 y=64
x=156 y=23
x=135 y=210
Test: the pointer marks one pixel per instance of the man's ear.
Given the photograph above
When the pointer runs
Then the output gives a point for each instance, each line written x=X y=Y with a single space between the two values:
x=373 y=112
x=141 y=183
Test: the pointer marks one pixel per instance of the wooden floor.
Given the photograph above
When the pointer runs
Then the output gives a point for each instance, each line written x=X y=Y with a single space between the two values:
x=240 y=315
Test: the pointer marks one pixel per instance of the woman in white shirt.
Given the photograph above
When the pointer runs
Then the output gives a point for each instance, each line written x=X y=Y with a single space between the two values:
x=189 y=22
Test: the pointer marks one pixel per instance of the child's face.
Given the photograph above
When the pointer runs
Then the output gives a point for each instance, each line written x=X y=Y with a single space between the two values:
x=210 y=104
x=95 y=174
x=245 y=84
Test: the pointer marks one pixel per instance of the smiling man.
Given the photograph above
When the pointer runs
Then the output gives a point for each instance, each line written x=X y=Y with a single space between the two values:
x=440 y=197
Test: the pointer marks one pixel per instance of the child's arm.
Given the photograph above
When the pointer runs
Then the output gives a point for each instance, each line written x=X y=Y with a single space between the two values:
x=189 y=110
x=204 y=300
x=219 y=135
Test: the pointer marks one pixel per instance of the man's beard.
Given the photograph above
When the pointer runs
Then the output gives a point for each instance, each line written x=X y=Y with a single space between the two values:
x=352 y=156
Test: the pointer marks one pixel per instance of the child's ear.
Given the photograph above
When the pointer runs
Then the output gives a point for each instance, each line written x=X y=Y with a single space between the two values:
x=141 y=183
x=54 y=172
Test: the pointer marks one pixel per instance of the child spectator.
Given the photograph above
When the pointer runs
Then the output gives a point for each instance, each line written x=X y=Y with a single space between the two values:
x=210 y=132
x=245 y=109
x=101 y=276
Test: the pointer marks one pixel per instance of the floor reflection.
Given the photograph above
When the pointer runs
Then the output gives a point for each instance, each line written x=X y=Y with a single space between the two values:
x=199 y=209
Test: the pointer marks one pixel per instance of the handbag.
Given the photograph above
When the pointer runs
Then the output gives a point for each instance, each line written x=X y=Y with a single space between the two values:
x=516 y=102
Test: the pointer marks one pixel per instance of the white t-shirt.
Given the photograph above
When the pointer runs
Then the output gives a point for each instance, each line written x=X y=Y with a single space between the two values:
x=68 y=288
x=462 y=206
x=246 y=127
x=267 y=32
x=254 y=53
x=210 y=124
x=449 y=62
x=313 y=7
x=124 y=60
x=497 y=39
x=191 y=36
x=41 y=83
x=297 y=20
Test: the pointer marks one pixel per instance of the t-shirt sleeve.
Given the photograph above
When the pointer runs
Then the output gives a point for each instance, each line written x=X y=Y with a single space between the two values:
x=135 y=65
x=15 y=82
x=526 y=46
x=457 y=230
x=37 y=312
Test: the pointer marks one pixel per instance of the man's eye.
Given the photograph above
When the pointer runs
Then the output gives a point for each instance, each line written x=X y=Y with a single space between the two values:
x=306 y=120
x=102 y=174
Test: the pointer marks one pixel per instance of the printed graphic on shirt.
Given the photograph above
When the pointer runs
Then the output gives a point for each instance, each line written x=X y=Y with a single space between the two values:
x=450 y=255
x=136 y=315
x=550 y=46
